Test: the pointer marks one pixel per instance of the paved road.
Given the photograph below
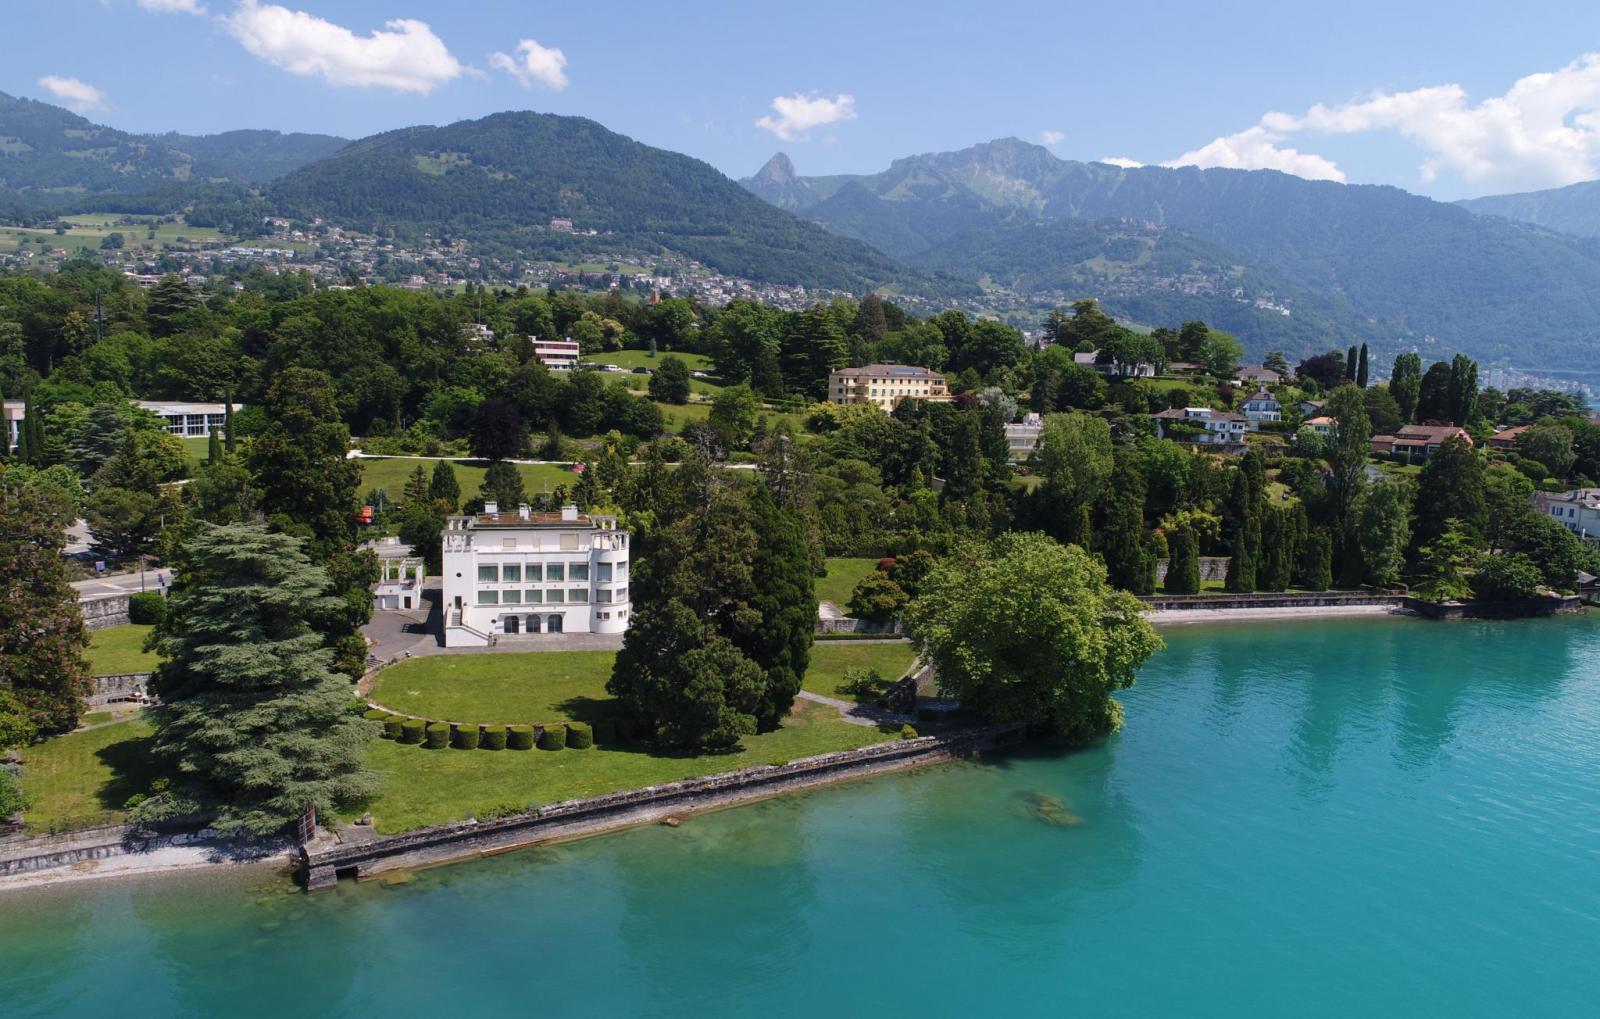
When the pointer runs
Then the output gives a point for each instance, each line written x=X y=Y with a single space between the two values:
x=122 y=583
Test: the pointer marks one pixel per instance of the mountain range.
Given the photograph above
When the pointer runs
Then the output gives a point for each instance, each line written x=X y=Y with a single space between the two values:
x=1287 y=263
x=1574 y=209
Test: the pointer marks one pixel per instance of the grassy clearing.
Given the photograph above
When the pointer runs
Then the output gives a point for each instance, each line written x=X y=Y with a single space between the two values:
x=196 y=447
x=843 y=576
x=539 y=686
x=830 y=661
x=83 y=779
x=422 y=787
x=119 y=650
x=641 y=359
x=390 y=474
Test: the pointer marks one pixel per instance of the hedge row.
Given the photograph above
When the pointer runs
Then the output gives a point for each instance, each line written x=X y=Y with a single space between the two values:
x=519 y=737
x=436 y=735
x=494 y=737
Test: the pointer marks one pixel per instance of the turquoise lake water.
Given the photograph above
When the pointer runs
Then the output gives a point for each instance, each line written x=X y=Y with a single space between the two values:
x=1348 y=818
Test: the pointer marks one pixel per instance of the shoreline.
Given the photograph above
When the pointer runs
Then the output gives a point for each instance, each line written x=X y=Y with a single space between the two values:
x=1185 y=617
x=159 y=862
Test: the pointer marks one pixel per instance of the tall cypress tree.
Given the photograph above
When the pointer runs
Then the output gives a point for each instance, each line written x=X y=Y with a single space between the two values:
x=253 y=720
x=784 y=602
x=213 y=447
x=1350 y=364
x=1361 y=367
x=1183 y=562
x=227 y=423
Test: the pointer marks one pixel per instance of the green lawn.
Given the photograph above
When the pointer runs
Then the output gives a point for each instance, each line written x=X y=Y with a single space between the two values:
x=422 y=787
x=831 y=659
x=390 y=474
x=843 y=576
x=515 y=689
x=119 y=650
x=196 y=447
x=642 y=359
x=82 y=779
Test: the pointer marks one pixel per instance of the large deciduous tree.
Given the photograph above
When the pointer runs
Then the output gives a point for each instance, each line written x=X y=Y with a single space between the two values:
x=42 y=639
x=1024 y=629
x=253 y=720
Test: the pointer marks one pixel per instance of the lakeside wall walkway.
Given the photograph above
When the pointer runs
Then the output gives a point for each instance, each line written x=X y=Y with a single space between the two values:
x=326 y=859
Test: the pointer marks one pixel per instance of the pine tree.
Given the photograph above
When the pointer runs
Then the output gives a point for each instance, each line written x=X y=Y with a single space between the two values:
x=444 y=487
x=42 y=639
x=253 y=720
x=785 y=605
x=416 y=490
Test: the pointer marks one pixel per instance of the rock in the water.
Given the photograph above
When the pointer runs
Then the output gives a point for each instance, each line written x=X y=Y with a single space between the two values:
x=1051 y=810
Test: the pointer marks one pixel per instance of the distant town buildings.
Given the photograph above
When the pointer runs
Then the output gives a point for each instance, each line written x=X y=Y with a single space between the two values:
x=509 y=574
x=885 y=385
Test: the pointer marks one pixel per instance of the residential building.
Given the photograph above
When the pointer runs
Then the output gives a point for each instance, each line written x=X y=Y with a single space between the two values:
x=557 y=355
x=1577 y=510
x=1142 y=370
x=1322 y=424
x=401 y=573
x=520 y=572
x=885 y=385
x=1417 y=443
x=1021 y=438
x=189 y=419
x=1261 y=406
x=1203 y=425
x=1260 y=375
x=1506 y=438
x=12 y=416
x=1311 y=408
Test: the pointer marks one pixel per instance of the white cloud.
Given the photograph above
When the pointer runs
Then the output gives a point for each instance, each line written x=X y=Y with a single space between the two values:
x=1543 y=132
x=800 y=113
x=534 y=64
x=403 y=55
x=1052 y=137
x=78 y=95
x=1122 y=161
x=173 y=6
x=1257 y=148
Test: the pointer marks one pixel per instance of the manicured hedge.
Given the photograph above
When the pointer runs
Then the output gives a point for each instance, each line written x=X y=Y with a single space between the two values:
x=375 y=715
x=494 y=737
x=438 y=735
x=579 y=736
x=605 y=731
x=554 y=737
x=466 y=737
x=411 y=730
x=146 y=608
x=391 y=726
x=519 y=737
x=908 y=731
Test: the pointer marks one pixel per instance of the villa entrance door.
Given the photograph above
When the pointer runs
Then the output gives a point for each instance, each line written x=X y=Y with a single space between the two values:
x=533 y=624
x=555 y=624
x=513 y=624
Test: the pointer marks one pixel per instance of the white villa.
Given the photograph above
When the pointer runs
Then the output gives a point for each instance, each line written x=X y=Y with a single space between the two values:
x=189 y=419
x=1220 y=427
x=1578 y=510
x=1021 y=438
x=1262 y=406
x=886 y=385
x=556 y=355
x=530 y=573
x=401 y=573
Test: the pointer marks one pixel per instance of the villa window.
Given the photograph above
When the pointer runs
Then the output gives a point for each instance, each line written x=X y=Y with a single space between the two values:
x=533 y=596
x=569 y=542
x=555 y=596
x=553 y=571
x=602 y=572
x=578 y=595
x=488 y=574
x=578 y=571
x=511 y=573
x=488 y=597
x=510 y=597
x=603 y=596
x=622 y=594
x=622 y=571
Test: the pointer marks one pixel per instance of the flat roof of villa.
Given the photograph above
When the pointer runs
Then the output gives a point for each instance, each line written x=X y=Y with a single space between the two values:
x=552 y=521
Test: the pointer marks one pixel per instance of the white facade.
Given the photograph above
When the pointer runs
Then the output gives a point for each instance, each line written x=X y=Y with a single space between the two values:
x=1022 y=438
x=1578 y=510
x=12 y=412
x=1222 y=428
x=401 y=574
x=1263 y=406
x=189 y=419
x=512 y=574
x=557 y=355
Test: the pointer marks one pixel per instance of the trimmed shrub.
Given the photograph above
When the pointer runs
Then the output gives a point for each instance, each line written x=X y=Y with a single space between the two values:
x=466 y=737
x=908 y=731
x=605 y=731
x=519 y=737
x=579 y=736
x=437 y=736
x=411 y=730
x=493 y=738
x=391 y=726
x=553 y=737
x=375 y=715
x=146 y=608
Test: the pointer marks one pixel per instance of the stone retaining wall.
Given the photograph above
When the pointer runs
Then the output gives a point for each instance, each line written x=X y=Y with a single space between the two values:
x=1496 y=610
x=326 y=860
x=122 y=687
x=1270 y=600
x=104 y=612
x=1211 y=568
x=849 y=624
x=26 y=854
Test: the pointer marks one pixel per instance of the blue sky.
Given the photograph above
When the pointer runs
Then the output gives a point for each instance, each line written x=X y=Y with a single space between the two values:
x=1448 y=99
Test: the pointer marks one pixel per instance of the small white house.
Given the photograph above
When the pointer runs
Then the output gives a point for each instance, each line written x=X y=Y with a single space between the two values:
x=1219 y=427
x=1262 y=406
x=401 y=573
x=1023 y=437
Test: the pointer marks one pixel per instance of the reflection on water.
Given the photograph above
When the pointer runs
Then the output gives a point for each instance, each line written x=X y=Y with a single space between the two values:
x=1335 y=819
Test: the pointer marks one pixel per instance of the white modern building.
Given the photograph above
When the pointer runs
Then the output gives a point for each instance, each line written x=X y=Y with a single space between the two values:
x=401 y=573
x=518 y=573
x=1022 y=437
x=189 y=419
x=557 y=355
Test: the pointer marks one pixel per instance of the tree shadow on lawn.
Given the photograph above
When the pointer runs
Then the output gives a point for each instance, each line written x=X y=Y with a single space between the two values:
x=133 y=768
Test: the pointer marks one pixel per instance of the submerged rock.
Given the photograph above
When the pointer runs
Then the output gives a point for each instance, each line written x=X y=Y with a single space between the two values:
x=1051 y=810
